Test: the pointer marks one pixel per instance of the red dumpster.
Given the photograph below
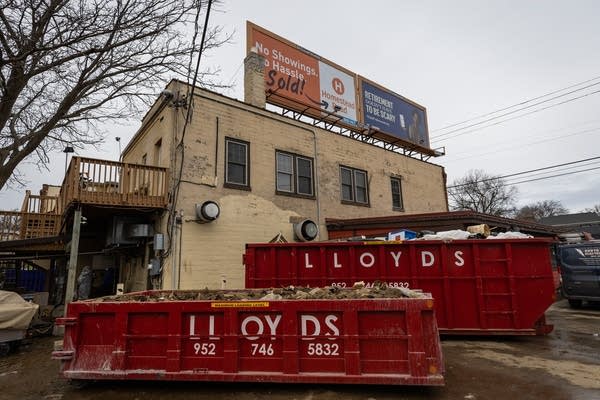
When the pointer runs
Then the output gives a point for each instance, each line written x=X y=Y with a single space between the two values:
x=491 y=286
x=363 y=341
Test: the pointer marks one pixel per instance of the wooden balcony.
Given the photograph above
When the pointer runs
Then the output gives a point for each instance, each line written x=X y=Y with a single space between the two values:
x=110 y=183
x=87 y=181
x=15 y=225
x=39 y=204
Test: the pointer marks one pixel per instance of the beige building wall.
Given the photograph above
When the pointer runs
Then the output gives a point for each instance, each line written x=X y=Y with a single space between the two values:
x=211 y=253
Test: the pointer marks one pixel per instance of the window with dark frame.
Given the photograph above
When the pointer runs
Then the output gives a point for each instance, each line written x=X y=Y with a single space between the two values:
x=354 y=186
x=294 y=174
x=237 y=164
x=397 y=203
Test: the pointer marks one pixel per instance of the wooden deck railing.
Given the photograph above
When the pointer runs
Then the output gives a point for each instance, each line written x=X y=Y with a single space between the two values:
x=112 y=183
x=87 y=181
x=39 y=204
x=15 y=225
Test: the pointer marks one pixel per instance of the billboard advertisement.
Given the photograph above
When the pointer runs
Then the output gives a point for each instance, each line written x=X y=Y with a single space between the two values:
x=392 y=114
x=295 y=76
x=300 y=80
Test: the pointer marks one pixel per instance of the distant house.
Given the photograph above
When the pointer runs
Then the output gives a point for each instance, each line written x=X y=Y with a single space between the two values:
x=576 y=223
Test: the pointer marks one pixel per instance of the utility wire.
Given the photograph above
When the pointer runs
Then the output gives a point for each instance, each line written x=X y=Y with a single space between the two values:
x=553 y=176
x=558 y=170
x=471 y=155
x=515 y=105
x=517 y=116
x=515 y=111
x=527 y=172
x=188 y=114
x=235 y=74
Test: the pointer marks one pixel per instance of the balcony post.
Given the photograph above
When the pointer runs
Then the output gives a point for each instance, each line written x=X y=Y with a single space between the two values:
x=72 y=268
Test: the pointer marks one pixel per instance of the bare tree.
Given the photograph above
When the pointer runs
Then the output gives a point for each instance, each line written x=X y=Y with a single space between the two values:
x=66 y=66
x=541 y=209
x=594 y=209
x=481 y=192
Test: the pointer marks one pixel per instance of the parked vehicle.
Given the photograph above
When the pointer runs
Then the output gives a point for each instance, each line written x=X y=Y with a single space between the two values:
x=580 y=272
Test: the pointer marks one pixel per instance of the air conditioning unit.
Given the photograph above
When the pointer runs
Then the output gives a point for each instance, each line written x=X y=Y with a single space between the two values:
x=306 y=230
x=125 y=229
x=139 y=231
x=116 y=233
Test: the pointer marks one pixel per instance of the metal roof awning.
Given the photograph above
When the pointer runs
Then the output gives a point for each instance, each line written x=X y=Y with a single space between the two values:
x=439 y=221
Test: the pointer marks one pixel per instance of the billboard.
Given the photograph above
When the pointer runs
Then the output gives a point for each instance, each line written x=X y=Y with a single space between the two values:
x=393 y=115
x=295 y=76
x=300 y=80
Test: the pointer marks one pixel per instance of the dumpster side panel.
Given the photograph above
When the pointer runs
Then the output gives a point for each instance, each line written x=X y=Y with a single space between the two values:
x=482 y=286
x=374 y=341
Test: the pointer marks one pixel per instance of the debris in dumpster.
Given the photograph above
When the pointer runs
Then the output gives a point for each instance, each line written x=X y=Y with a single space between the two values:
x=377 y=291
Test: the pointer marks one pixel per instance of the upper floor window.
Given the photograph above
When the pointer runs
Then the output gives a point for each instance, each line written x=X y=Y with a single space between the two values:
x=157 y=151
x=237 y=163
x=354 y=186
x=397 y=203
x=294 y=174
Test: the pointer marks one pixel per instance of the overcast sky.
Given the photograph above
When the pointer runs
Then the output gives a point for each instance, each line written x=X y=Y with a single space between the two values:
x=459 y=59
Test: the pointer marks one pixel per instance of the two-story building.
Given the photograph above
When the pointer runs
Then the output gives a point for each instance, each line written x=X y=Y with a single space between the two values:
x=204 y=175
x=266 y=173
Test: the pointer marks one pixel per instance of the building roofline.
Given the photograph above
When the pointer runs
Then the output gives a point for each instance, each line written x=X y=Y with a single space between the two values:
x=334 y=224
x=148 y=117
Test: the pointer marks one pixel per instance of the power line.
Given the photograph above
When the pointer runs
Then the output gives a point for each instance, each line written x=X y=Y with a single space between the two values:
x=554 y=176
x=235 y=74
x=558 y=170
x=519 y=116
x=517 y=110
x=515 y=105
x=527 y=172
x=471 y=155
x=188 y=115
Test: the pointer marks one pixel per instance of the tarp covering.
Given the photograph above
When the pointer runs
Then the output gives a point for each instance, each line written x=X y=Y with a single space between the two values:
x=15 y=312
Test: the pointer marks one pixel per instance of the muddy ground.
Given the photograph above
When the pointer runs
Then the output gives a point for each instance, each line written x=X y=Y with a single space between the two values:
x=563 y=365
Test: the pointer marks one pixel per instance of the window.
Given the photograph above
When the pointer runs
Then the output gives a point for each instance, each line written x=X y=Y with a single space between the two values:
x=237 y=164
x=294 y=174
x=354 y=186
x=397 y=203
x=157 y=147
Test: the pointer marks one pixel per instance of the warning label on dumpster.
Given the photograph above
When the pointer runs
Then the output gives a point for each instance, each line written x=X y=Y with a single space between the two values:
x=240 y=304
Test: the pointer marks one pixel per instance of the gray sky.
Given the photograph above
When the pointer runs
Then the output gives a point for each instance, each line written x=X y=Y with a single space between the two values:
x=460 y=60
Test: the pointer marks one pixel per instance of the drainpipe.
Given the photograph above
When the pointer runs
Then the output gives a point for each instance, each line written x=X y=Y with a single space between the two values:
x=318 y=197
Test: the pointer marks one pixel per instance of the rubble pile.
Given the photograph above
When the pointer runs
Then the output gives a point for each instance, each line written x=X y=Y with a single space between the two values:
x=358 y=291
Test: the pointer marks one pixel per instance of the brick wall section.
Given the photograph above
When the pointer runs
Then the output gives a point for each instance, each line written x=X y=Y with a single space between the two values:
x=212 y=253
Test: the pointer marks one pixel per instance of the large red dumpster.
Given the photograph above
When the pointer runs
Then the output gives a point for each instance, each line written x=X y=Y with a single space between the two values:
x=492 y=286
x=363 y=341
